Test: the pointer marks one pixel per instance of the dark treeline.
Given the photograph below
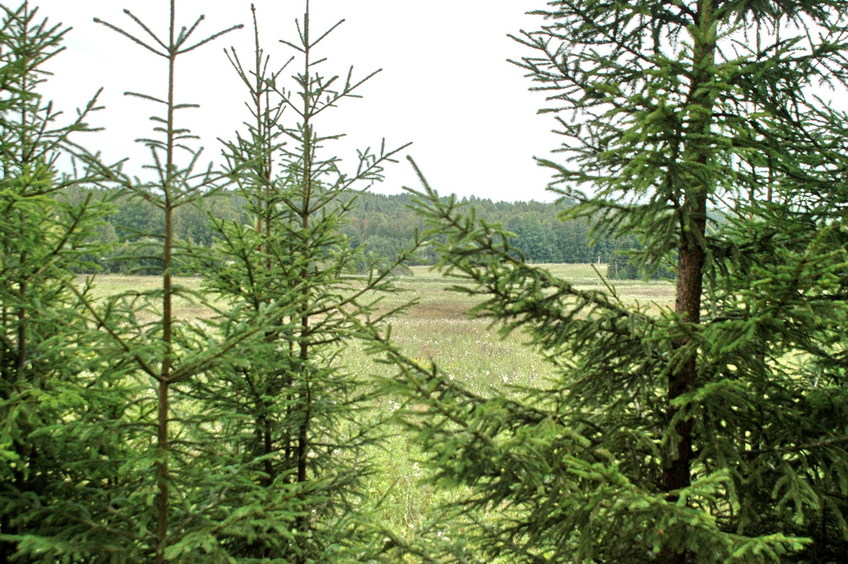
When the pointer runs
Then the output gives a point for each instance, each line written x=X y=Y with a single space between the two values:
x=382 y=225
x=385 y=224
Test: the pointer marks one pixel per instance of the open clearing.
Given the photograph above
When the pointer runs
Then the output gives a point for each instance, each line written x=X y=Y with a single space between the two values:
x=435 y=329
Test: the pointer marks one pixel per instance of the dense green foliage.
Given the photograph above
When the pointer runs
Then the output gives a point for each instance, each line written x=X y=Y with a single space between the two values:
x=132 y=434
x=55 y=419
x=714 y=432
x=290 y=419
x=382 y=226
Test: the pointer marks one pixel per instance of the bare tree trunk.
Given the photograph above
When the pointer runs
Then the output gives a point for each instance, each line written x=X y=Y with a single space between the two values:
x=163 y=445
x=677 y=462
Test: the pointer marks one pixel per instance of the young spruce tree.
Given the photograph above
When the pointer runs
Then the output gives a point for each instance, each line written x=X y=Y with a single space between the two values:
x=711 y=432
x=291 y=416
x=151 y=348
x=56 y=416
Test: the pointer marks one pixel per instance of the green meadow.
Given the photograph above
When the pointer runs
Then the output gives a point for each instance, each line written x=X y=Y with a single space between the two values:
x=436 y=329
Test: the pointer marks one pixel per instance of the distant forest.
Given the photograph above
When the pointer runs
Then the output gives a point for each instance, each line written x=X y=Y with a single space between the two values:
x=384 y=225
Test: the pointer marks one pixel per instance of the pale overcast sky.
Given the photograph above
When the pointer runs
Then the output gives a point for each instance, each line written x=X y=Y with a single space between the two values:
x=446 y=85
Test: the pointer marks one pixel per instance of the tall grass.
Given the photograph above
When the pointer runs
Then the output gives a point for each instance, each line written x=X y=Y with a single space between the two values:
x=435 y=328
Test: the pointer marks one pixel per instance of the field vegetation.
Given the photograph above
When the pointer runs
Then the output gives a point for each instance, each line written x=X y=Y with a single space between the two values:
x=436 y=327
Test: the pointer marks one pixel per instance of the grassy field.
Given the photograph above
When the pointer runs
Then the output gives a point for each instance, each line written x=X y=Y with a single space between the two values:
x=435 y=329
x=435 y=302
x=438 y=329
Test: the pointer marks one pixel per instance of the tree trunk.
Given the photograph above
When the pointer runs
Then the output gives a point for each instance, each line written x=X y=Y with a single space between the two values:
x=677 y=462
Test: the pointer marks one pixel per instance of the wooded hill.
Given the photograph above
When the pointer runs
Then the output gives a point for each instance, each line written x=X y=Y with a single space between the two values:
x=382 y=225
